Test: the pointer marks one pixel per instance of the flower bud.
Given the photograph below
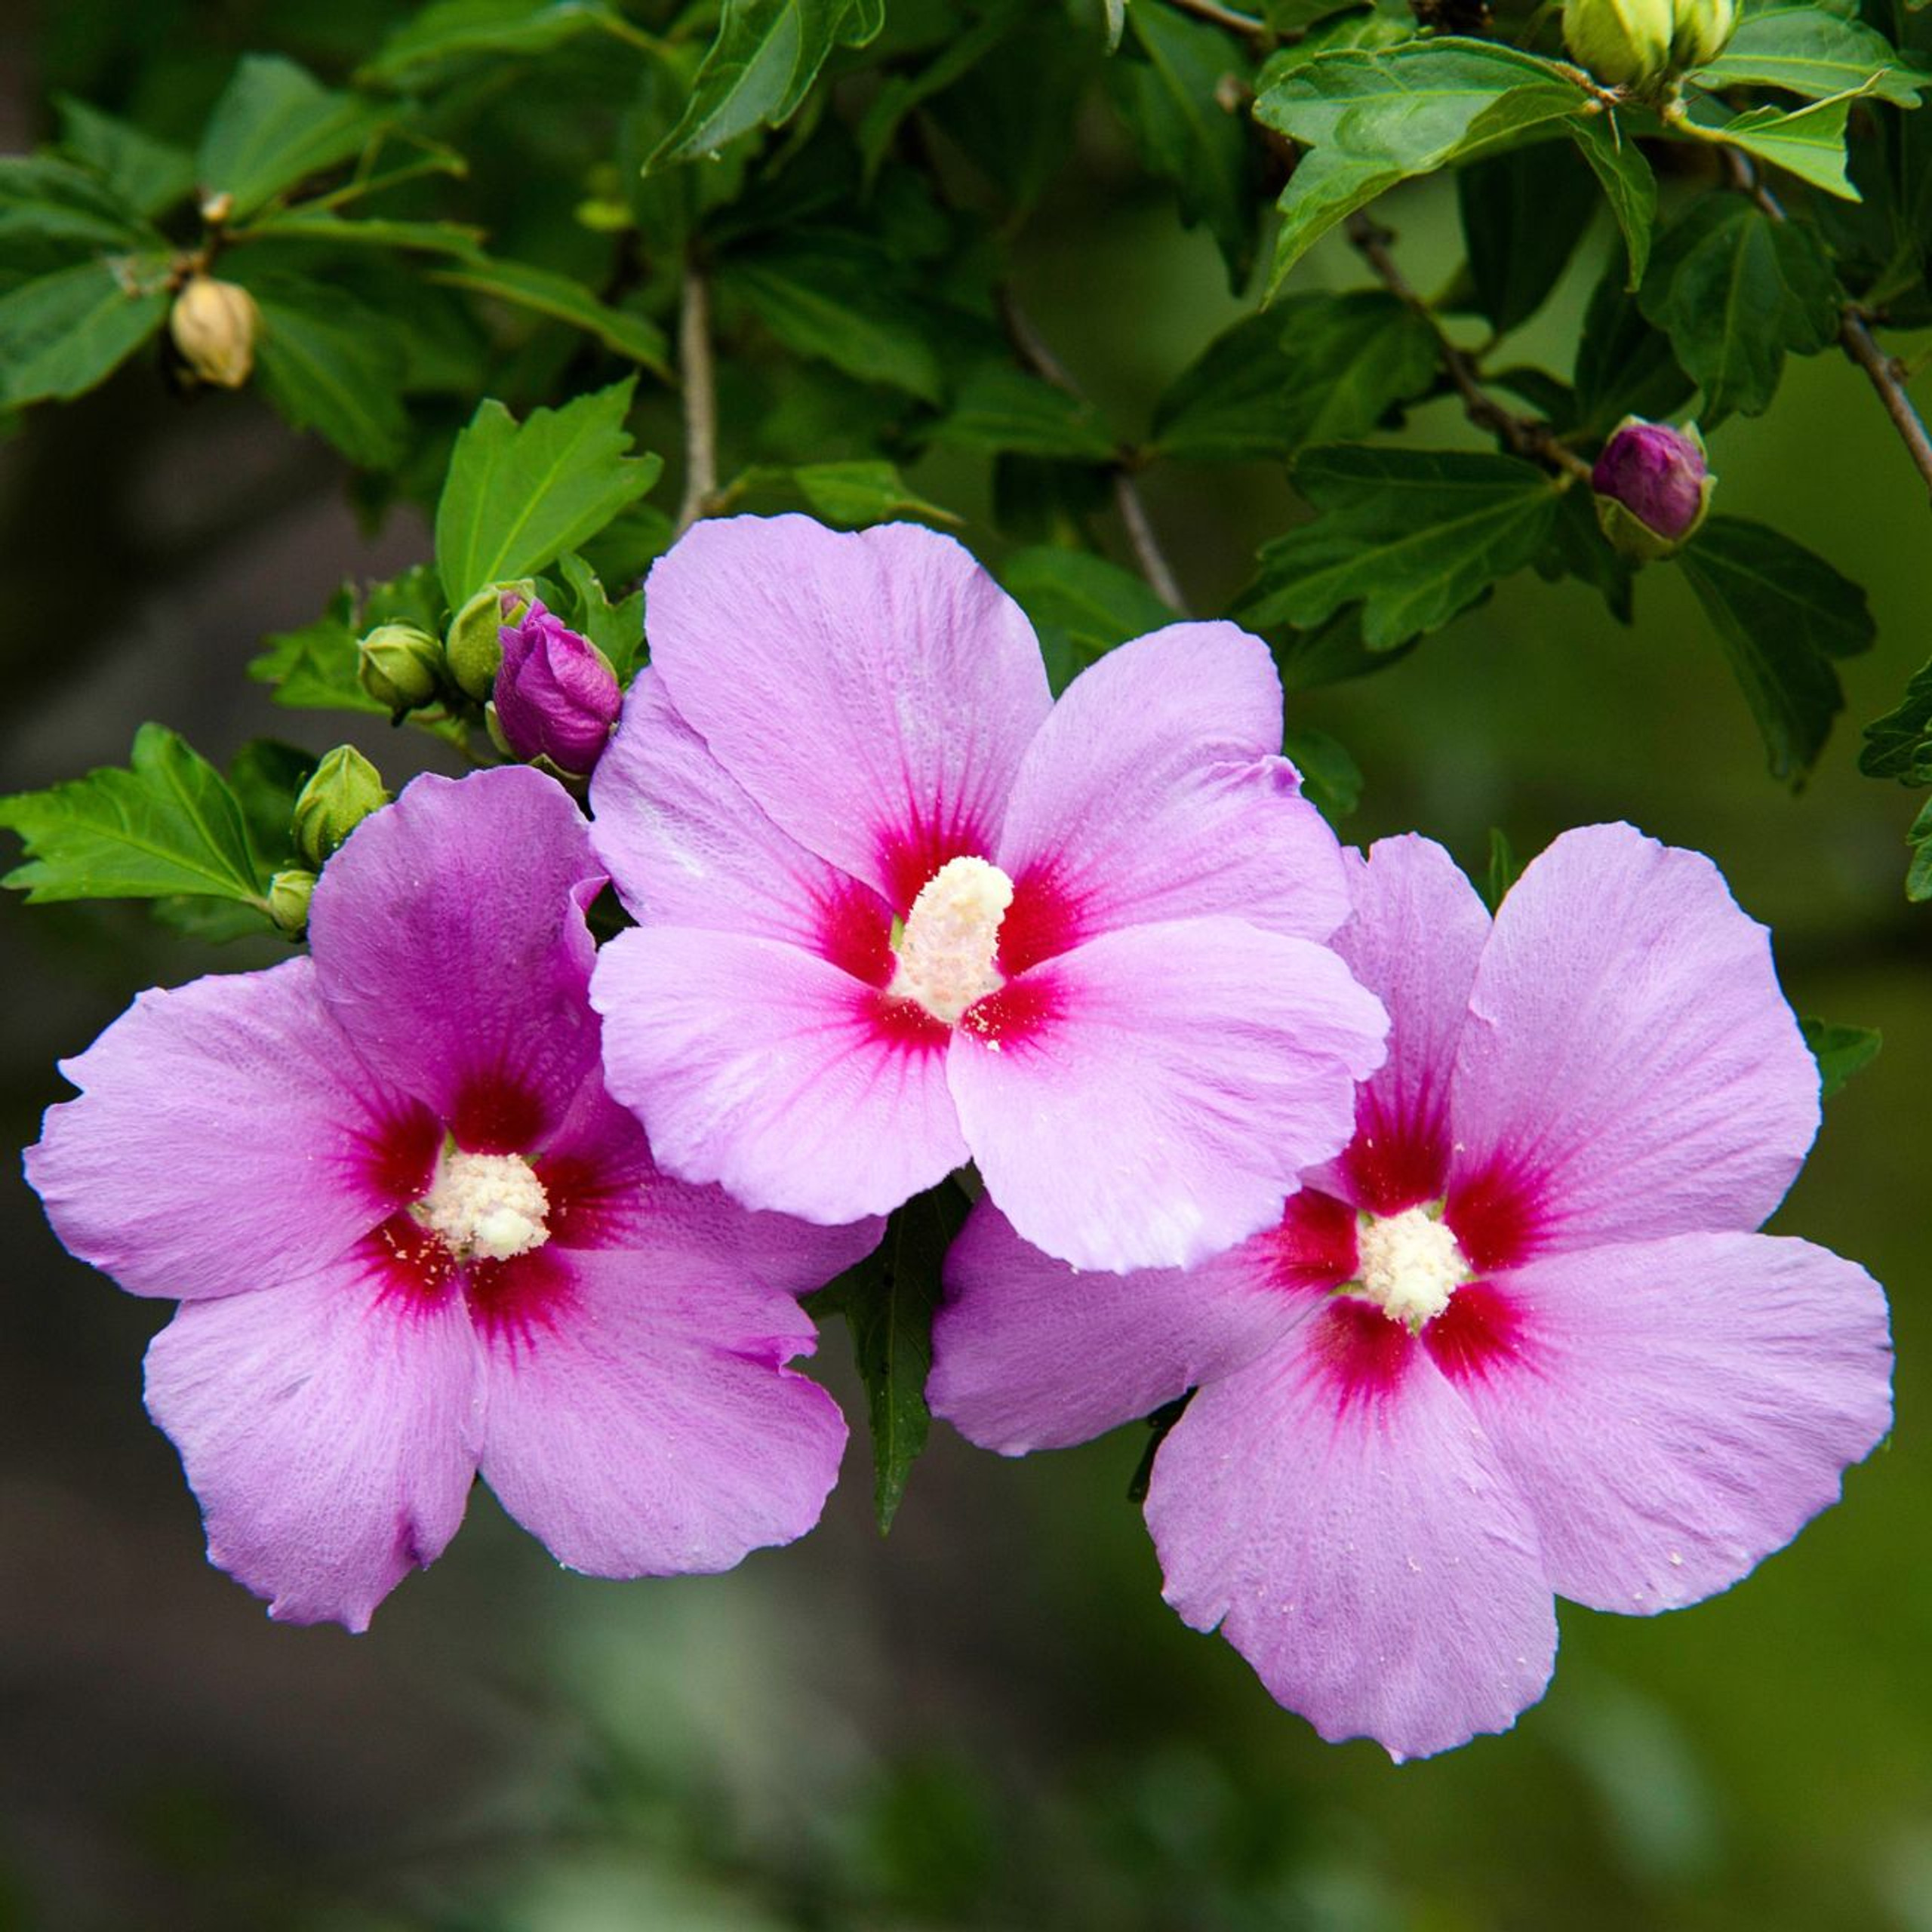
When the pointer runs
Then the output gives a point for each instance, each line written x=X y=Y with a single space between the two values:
x=474 y=648
x=1704 y=31
x=1653 y=487
x=289 y=894
x=1625 y=43
x=214 y=324
x=557 y=696
x=399 y=667
x=341 y=792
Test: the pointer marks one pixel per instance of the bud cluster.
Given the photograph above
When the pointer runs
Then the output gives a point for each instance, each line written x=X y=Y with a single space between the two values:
x=1641 y=43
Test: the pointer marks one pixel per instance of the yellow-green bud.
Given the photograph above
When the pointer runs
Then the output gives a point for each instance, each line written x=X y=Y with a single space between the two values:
x=474 y=648
x=214 y=324
x=1625 y=43
x=1704 y=31
x=289 y=894
x=399 y=667
x=341 y=792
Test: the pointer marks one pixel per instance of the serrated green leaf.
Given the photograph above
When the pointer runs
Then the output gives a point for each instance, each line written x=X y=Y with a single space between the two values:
x=617 y=629
x=1330 y=654
x=1735 y=289
x=452 y=29
x=1093 y=603
x=314 y=669
x=1331 y=780
x=149 y=175
x=1523 y=214
x=1002 y=408
x=1809 y=143
x=1807 y=51
x=1414 y=536
x=169 y=823
x=63 y=333
x=1840 y=1051
x=1624 y=366
x=519 y=495
x=1626 y=180
x=854 y=494
x=544 y=293
x=1899 y=744
x=1782 y=614
x=44 y=198
x=1374 y=119
x=275 y=125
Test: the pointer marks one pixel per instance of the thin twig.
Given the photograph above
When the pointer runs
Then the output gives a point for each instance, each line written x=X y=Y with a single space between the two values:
x=700 y=399
x=1038 y=356
x=1524 y=437
x=1223 y=17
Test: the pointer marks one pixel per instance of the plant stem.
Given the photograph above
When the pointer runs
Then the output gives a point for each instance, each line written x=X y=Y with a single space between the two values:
x=694 y=368
x=1223 y=17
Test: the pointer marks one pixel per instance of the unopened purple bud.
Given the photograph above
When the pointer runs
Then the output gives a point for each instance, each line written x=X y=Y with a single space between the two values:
x=557 y=696
x=1658 y=476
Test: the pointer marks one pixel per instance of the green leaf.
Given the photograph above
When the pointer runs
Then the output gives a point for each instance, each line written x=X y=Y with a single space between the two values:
x=1807 y=51
x=766 y=54
x=1002 y=408
x=266 y=775
x=1899 y=744
x=169 y=824
x=1919 y=876
x=314 y=669
x=1840 y=1051
x=850 y=494
x=1093 y=604
x=1330 y=654
x=902 y=93
x=1809 y=143
x=319 y=225
x=149 y=175
x=1505 y=869
x=517 y=495
x=888 y=1302
x=1375 y=119
x=1415 y=536
x=1188 y=129
x=1314 y=368
x=275 y=125
x=453 y=28
x=1624 y=366
x=1330 y=779
x=1626 y=178
x=61 y=335
x=1578 y=547
x=617 y=629
x=44 y=198
x=1782 y=614
x=1523 y=214
x=1734 y=289
x=839 y=305
x=563 y=299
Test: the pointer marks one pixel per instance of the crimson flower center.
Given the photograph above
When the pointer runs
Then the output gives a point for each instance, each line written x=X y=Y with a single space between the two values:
x=946 y=950
x=485 y=1207
x=1408 y=1265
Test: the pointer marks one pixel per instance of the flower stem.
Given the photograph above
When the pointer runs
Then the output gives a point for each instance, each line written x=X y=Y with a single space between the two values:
x=700 y=399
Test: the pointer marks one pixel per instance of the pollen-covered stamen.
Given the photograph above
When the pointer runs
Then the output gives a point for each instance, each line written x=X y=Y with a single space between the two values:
x=1408 y=1264
x=485 y=1207
x=946 y=953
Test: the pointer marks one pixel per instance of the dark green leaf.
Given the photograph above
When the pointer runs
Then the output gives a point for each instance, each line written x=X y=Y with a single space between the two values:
x=1523 y=214
x=1624 y=366
x=1330 y=654
x=1092 y=603
x=266 y=776
x=1014 y=113
x=453 y=28
x=1808 y=143
x=849 y=494
x=1626 y=178
x=1330 y=779
x=902 y=93
x=44 y=198
x=149 y=175
x=1840 y=1051
x=617 y=629
x=1918 y=875
x=1734 y=289
x=1899 y=744
x=1578 y=547
x=1782 y=614
x=63 y=333
x=1002 y=408
x=517 y=495
x=302 y=224
x=168 y=824
x=1415 y=536
x=1505 y=869
x=274 y=126
x=1806 y=51
x=563 y=299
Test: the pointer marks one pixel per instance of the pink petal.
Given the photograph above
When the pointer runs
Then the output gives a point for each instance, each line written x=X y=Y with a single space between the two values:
x=1675 y=1411
x=327 y=1425
x=686 y=846
x=228 y=1137
x=1334 y=1510
x=650 y=1428
x=872 y=690
x=762 y=1067
x=1630 y=1068
x=449 y=944
x=1414 y=938
x=1156 y=791
x=1030 y=1354
x=1151 y=1098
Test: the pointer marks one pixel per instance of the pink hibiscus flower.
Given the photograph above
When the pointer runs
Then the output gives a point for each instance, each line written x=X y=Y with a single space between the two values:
x=1519 y=1340
x=413 y=1239
x=899 y=910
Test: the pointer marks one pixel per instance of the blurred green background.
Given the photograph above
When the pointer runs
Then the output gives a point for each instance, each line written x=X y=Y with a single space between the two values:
x=990 y=1720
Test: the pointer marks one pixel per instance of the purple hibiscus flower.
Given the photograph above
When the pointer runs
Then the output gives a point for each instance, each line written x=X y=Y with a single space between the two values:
x=898 y=910
x=1519 y=1339
x=413 y=1239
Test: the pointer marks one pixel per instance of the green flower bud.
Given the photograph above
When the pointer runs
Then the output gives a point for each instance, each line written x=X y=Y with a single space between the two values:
x=289 y=894
x=1704 y=31
x=400 y=667
x=1625 y=43
x=474 y=648
x=344 y=789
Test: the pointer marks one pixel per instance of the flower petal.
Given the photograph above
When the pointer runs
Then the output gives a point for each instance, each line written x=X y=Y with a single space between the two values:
x=449 y=944
x=1334 y=1510
x=873 y=689
x=227 y=1136
x=1156 y=791
x=763 y=1068
x=650 y=1427
x=327 y=1425
x=1149 y=1099
x=1629 y=1064
x=1675 y=1411
x=1030 y=1354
